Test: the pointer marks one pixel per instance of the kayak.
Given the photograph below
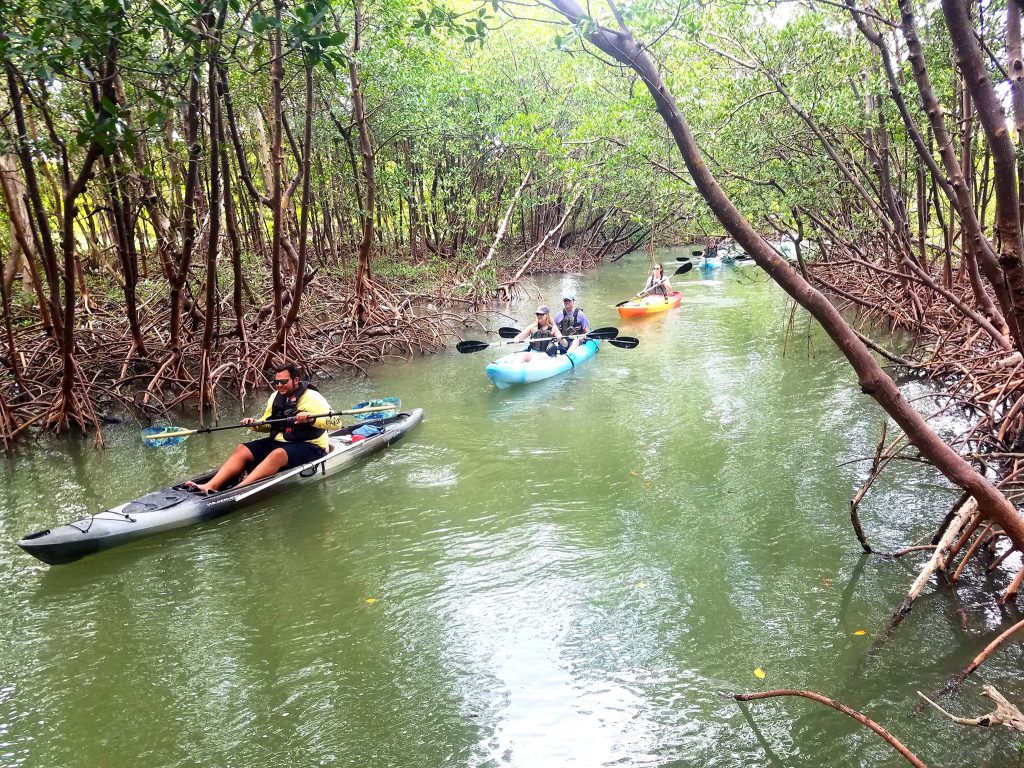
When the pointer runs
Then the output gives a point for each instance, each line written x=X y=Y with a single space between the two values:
x=177 y=506
x=510 y=369
x=650 y=305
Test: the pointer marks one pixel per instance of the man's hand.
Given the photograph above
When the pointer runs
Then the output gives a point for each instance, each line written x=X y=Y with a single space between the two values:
x=302 y=417
x=247 y=422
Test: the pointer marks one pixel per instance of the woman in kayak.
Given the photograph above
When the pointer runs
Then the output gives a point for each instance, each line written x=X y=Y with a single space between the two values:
x=543 y=335
x=291 y=443
x=657 y=284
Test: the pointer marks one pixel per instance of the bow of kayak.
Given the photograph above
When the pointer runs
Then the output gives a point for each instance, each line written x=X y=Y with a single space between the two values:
x=510 y=369
x=650 y=305
x=176 y=506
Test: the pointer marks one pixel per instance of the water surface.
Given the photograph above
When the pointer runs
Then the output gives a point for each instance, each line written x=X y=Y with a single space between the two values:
x=569 y=573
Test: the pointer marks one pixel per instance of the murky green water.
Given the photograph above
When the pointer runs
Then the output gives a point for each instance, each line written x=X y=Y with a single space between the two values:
x=566 y=574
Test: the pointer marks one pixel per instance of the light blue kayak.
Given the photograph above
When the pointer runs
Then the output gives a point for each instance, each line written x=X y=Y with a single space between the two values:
x=510 y=369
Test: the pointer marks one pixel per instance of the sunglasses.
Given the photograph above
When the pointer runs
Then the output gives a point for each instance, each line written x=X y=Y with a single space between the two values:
x=282 y=382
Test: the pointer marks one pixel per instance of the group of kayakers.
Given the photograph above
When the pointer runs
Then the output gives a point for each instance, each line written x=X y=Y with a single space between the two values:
x=563 y=333
x=296 y=437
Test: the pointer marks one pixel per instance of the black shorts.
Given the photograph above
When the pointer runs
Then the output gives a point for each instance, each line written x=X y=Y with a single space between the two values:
x=298 y=452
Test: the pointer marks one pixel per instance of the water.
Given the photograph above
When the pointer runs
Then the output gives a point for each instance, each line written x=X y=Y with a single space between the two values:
x=565 y=574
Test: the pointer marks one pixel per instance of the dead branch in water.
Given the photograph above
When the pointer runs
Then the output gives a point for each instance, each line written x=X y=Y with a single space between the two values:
x=976 y=662
x=1005 y=713
x=862 y=719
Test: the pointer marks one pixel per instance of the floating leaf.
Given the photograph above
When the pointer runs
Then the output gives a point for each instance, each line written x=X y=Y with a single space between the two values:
x=371 y=600
x=861 y=632
x=759 y=673
x=640 y=585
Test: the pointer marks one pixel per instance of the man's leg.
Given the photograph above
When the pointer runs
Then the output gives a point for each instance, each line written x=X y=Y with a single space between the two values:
x=231 y=469
x=274 y=463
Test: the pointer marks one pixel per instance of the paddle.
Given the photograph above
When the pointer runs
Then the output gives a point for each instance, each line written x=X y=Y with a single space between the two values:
x=161 y=437
x=683 y=269
x=597 y=333
x=698 y=252
x=624 y=342
x=469 y=345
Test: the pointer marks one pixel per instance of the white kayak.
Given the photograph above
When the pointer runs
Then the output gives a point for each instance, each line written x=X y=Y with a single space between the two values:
x=176 y=506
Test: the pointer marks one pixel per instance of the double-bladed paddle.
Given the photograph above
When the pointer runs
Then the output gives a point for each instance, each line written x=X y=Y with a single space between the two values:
x=161 y=437
x=683 y=269
x=602 y=334
x=597 y=333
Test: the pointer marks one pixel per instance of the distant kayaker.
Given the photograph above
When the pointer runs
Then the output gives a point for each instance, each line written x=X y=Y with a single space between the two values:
x=657 y=284
x=290 y=444
x=543 y=335
x=571 y=322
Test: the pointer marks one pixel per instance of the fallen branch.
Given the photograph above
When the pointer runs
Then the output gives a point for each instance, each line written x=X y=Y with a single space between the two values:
x=862 y=719
x=1005 y=713
x=962 y=675
x=964 y=515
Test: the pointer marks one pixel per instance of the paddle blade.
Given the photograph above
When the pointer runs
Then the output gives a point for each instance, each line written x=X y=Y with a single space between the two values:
x=151 y=436
x=696 y=251
x=683 y=258
x=684 y=268
x=508 y=333
x=624 y=342
x=393 y=404
x=471 y=346
x=603 y=333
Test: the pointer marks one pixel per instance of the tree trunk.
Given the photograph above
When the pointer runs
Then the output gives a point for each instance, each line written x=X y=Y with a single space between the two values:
x=364 y=275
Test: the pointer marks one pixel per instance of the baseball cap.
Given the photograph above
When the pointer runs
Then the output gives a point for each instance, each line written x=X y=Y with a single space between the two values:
x=543 y=309
x=569 y=297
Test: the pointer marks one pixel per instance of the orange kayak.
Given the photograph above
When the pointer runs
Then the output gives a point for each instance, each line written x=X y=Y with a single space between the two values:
x=650 y=305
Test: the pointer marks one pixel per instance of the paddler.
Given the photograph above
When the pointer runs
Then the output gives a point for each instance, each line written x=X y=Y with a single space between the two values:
x=542 y=334
x=297 y=441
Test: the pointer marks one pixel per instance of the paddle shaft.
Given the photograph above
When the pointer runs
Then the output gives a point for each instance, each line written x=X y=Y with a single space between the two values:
x=468 y=346
x=204 y=430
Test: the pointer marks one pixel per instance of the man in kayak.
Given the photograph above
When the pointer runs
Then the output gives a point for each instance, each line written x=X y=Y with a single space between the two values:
x=571 y=322
x=543 y=335
x=299 y=440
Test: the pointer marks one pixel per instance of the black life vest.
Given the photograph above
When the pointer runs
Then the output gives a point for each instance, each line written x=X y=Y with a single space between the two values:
x=285 y=407
x=657 y=286
x=570 y=325
x=542 y=339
